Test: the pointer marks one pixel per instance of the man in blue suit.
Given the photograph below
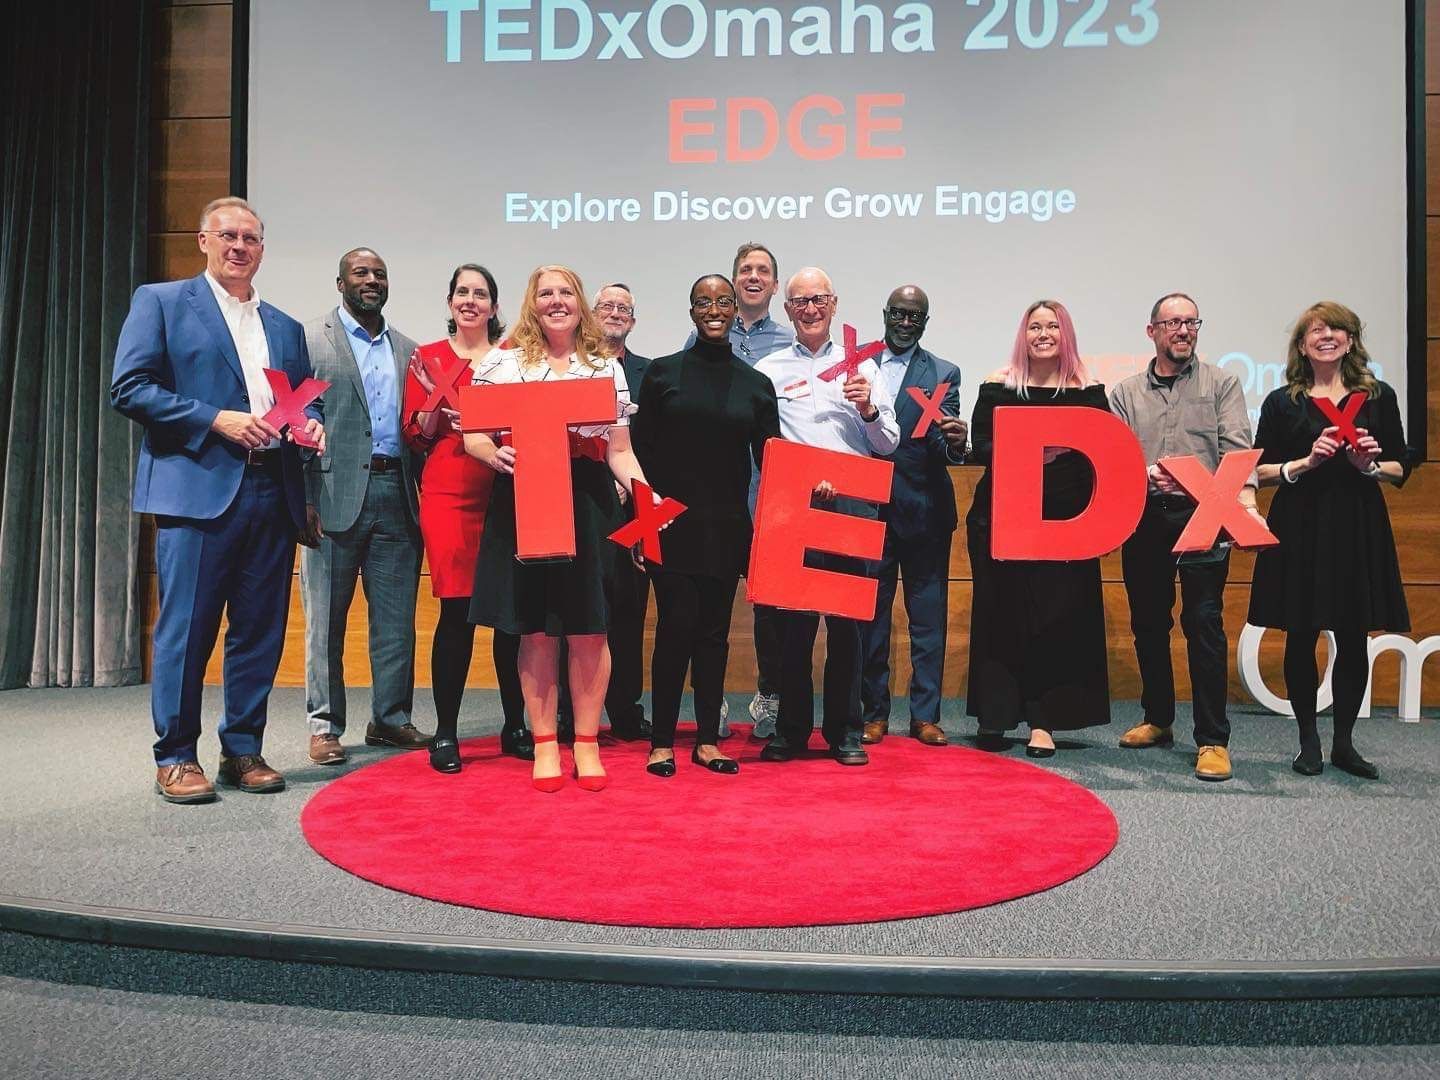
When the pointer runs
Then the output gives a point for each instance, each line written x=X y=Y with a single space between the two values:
x=919 y=523
x=227 y=491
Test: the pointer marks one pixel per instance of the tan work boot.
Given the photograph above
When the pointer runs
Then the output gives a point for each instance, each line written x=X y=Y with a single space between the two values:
x=183 y=782
x=1147 y=734
x=1213 y=763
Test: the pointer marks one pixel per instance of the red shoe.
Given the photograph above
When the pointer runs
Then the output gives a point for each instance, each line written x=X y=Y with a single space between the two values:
x=591 y=782
x=549 y=784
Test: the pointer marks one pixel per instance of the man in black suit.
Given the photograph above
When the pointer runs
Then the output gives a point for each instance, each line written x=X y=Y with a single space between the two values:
x=919 y=522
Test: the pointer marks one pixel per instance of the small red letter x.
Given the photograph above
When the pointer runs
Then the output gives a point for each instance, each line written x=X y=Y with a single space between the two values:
x=650 y=518
x=929 y=407
x=854 y=357
x=290 y=404
x=1344 y=419
x=1218 y=506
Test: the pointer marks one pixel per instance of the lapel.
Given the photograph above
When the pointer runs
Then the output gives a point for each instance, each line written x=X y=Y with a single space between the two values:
x=202 y=302
x=919 y=372
x=345 y=357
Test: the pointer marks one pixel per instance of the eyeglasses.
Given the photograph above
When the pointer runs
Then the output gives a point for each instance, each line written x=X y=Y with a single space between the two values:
x=230 y=236
x=1174 y=324
x=605 y=307
x=820 y=300
x=702 y=304
x=901 y=315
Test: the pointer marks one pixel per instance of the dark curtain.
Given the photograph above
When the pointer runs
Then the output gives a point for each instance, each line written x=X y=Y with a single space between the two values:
x=74 y=135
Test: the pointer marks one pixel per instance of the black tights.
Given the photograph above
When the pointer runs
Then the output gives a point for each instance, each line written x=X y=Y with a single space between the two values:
x=1347 y=680
x=450 y=667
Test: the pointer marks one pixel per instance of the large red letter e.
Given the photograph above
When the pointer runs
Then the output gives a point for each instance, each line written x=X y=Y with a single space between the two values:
x=786 y=526
x=538 y=415
x=1017 y=473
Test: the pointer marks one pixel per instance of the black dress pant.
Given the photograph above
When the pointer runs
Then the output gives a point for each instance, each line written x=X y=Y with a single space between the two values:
x=1150 y=568
x=692 y=630
x=629 y=599
x=840 y=703
x=767 y=649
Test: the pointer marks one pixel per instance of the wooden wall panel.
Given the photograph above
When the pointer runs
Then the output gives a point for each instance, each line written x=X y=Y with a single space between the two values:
x=192 y=61
x=191 y=161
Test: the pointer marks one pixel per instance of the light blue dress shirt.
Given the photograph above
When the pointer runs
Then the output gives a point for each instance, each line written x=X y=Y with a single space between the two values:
x=893 y=367
x=376 y=361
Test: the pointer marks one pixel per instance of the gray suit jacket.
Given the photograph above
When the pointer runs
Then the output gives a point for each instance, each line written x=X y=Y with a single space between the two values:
x=335 y=482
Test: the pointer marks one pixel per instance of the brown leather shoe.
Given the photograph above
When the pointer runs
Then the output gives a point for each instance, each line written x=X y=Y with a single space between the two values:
x=929 y=734
x=326 y=750
x=249 y=773
x=1213 y=763
x=183 y=782
x=404 y=737
x=1147 y=734
x=875 y=730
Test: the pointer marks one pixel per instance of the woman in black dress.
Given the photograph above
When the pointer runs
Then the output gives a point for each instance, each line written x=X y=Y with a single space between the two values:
x=1335 y=567
x=556 y=337
x=1037 y=629
x=702 y=417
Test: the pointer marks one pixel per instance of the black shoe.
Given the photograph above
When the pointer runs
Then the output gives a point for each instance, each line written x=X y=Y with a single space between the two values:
x=565 y=728
x=992 y=741
x=1039 y=751
x=1307 y=764
x=444 y=755
x=717 y=765
x=664 y=768
x=631 y=730
x=779 y=749
x=850 y=752
x=1351 y=762
x=517 y=742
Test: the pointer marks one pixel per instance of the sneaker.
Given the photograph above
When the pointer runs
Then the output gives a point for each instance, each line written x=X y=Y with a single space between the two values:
x=724 y=719
x=764 y=710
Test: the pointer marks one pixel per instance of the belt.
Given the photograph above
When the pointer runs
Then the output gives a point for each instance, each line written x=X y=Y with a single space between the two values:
x=263 y=459
x=379 y=464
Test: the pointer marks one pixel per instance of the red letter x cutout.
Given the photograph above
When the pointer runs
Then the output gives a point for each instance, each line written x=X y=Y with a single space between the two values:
x=447 y=388
x=854 y=357
x=1344 y=419
x=650 y=518
x=290 y=404
x=929 y=407
x=1218 y=506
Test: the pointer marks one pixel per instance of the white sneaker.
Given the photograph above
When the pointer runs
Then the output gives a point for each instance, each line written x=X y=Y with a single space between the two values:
x=724 y=719
x=764 y=710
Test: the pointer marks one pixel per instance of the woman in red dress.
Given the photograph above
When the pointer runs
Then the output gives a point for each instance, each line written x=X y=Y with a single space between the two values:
x=454 y=492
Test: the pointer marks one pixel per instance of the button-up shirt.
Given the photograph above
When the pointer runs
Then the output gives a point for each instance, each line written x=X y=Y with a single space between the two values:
x=814 y=411
x=375 y=357
x=248 y=333
x=893 y=367
x=753 y=343
x=1202 y=414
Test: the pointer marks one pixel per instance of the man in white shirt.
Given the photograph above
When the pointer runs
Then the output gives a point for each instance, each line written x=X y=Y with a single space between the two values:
x=833 y=414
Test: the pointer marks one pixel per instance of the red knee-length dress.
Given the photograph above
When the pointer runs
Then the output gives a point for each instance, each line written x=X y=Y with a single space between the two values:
x=454 y=488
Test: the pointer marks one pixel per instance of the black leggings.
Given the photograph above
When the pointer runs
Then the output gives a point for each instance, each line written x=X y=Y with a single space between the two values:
x=1347 y=680
x=692 y=629
x=450 y=667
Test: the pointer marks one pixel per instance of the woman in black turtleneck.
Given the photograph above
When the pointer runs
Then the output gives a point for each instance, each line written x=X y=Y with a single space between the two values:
x=701 y=417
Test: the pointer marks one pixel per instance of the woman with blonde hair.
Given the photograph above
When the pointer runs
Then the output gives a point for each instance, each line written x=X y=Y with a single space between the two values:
x=1335 y=567
x=1037 y=629
x=556 y=336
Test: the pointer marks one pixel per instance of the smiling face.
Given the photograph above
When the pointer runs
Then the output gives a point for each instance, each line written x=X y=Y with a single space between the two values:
x=471 y=304
x=615 y=308
x=1175 y=346
x=709 y=311
x=233 y=262
x=810 y=302
x=364 y=282
x=1042 y=336
x=557 y=305
x=1324 y=345
x=755 y=283
x=906 y=313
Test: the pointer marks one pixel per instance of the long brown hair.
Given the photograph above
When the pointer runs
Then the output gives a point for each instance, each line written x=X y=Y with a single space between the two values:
x=529 y=334
x=1355 y=370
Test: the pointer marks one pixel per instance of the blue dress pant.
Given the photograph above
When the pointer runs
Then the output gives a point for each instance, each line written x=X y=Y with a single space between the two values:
x=922 y=564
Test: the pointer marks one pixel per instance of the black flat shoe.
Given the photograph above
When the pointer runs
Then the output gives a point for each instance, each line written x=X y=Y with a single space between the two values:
x=445 y=755
x=517 y=742
x=1307 y=766
x=715 y=765
x=993 y=741
x=665 y=768
x=1351 y=762
x=1039 y=751
x=778 y=749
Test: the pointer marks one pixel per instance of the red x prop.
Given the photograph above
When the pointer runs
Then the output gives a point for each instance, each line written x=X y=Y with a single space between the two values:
x=929 y=407
x=1218 y=508
x=650 y=518
x=1344 y=418
x=855 y=355
x=289 y=407
x=538 y=415
x=447 y=388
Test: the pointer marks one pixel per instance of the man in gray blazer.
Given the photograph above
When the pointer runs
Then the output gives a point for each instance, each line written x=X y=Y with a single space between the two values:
x=362 y=516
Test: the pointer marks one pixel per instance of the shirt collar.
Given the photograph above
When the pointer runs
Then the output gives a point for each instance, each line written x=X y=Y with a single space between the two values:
x=1184 y=373
x=902 y=358
x=352 y=327
x=758 y=324
x=824 y=350
x=223 y=298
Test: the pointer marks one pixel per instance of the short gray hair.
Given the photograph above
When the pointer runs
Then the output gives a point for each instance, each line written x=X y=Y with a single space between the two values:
x=220 y=204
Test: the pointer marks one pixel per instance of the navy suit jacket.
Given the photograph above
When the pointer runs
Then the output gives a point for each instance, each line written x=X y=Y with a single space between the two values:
x=175 y=368
x=634 y=366
x=922 y=497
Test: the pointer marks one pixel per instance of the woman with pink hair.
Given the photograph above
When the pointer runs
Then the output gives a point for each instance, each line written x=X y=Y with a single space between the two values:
x=1037 y=629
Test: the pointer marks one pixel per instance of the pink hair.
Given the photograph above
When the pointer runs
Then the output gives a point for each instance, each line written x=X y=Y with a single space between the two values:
x=1072 y=368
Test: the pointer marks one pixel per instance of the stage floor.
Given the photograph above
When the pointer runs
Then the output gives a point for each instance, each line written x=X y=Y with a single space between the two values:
x=1270 y=866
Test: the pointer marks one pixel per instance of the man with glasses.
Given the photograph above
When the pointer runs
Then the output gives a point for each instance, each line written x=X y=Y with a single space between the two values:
x=920 y=520
x=1178 y=406
x=227 y=490
x=836 y=414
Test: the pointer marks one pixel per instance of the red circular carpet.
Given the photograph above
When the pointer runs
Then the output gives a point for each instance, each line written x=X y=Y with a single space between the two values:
x=920 y=831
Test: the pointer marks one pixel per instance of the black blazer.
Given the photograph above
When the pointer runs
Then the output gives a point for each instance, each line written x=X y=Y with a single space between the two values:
x=634 y=366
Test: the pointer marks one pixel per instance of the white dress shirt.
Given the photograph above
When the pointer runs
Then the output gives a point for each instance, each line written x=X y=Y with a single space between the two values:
x=248 y=334
x=814 y=411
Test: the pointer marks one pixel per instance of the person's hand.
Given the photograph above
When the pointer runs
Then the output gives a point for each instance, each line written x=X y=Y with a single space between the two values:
x=825 y=491
x=1162 y=481
x=857 y=392
x=637 y=556
x=504 y=460
x=621 y=493
x=451 y=419
x=1323 y=448
x=1053 y=452
x=955 y=430
x=422 y=375
x=310 y=535
x=243 y=428
x=314 y=432
x=1367 y=453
